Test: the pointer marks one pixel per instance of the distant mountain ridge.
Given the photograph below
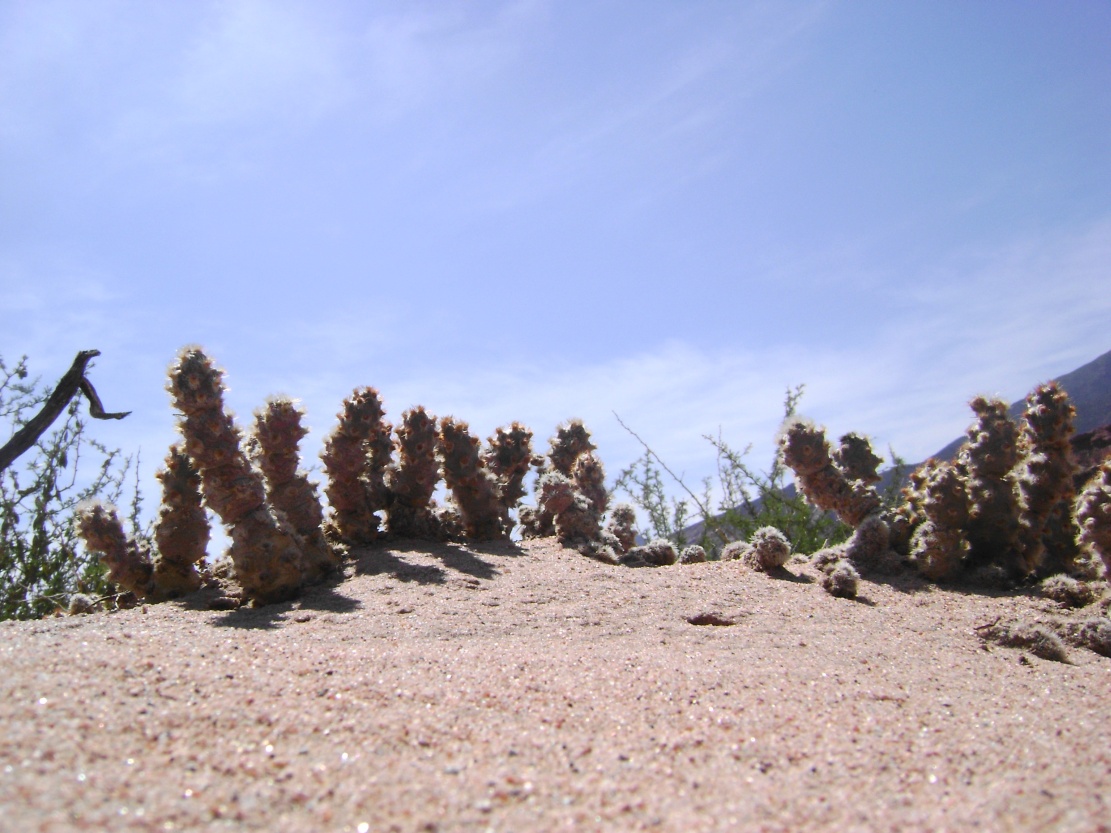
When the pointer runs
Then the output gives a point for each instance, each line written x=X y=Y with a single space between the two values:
x=1089 y=388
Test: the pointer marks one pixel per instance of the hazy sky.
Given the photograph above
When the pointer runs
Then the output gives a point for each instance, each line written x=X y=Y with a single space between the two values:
x=536 y=210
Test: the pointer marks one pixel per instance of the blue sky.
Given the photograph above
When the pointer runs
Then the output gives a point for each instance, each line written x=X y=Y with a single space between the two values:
x=536 y=210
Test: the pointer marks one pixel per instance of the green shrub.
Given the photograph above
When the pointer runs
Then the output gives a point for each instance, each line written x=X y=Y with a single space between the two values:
x=41 y=565
x=749 y=499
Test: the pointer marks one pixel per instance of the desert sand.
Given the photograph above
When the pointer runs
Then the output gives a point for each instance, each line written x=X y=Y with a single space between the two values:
x=525 y=687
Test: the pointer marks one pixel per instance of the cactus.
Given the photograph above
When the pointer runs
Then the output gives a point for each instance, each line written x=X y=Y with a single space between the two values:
x=1093 y=517
x=278 y=432
x=356 y=455
x=988 y=458
x=659 y=553
x=1045 y=475
x=767 y=550
x=475 y=491
x=856 y=460
x=693 y=554
x=590 y=479
x=939 y=546
x=622 y=526
x=840 y=579
x=128 y=562
x=412 y=482
x=572 y=500
x=822 y=480
x=181 y=532
x=507 y=458
x=570 y=442
x=265 y=550
x=908 y=514
x=806 y=450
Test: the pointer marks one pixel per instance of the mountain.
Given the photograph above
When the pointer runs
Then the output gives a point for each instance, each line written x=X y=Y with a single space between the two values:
x=1089 y=388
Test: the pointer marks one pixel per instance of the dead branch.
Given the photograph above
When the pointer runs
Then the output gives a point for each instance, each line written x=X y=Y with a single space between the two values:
x=68 y=386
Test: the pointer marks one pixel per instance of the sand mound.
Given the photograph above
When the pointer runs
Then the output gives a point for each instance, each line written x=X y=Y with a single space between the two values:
x=530 y=688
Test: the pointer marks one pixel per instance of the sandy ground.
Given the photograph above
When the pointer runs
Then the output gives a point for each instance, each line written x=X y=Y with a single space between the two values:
x=504 y=688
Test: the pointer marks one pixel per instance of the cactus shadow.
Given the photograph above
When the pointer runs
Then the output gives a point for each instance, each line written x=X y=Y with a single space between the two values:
x=325 y=597
x=783 y=574
x=373 y=562
x=268 y=617
x=467 y=559
x=463 y=560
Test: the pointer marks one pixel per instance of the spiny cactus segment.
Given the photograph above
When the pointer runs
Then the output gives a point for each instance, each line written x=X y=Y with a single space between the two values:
x=356 y=455
x=181 y=532
x=939 y=547
x=412 y=482
x=988 y=458
x=806 y=450
x=475 y=491
x=278 y=432
x=1093 y=517
x=507 y=457
x=128 y=563
x=1044 y=476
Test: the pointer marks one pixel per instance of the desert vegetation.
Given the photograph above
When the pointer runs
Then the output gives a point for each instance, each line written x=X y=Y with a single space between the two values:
x=49 y=466
x=1011 y=509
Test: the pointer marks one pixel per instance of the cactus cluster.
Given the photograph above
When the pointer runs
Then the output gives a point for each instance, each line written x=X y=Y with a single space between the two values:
x=280 y=537
x=841 y=482
x=267 y=552
x=1005 y=510
x=180 y=536
x=767 y=550
x=572 y=500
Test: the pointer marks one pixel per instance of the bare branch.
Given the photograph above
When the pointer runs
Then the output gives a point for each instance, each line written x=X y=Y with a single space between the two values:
x=68 y=386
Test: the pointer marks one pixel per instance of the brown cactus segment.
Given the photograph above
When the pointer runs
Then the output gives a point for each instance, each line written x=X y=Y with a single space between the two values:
x=855 y=458
x=806 y=450
x=474 y=490
x=988 y=457
x=571 y=440
x=128 y=564
x=267 y=557
x=622 y=526
x=278 y=432
x=768 y=550
x=412 y=482
x=507 y=458
x=939 y=547
x=181 y=532
x=1045 y=475
x=1093 y=517
x=356 y=456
